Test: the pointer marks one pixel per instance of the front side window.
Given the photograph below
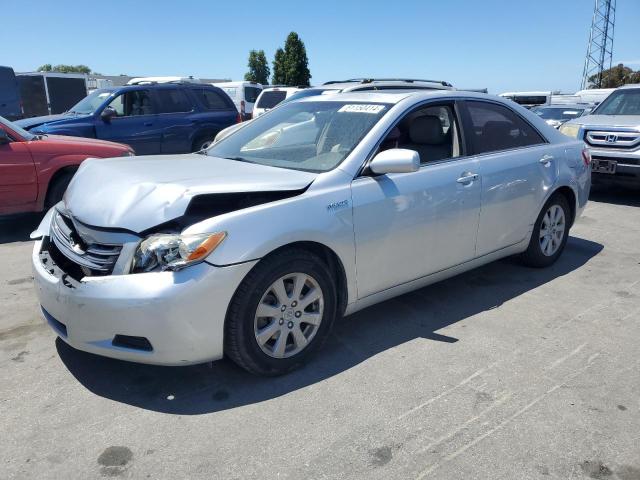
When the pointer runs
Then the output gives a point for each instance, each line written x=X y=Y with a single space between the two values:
x=172 y=101
x=431 y=131
x=133 y=103
x=496 y=127
x=620 y=102
x=309 y=136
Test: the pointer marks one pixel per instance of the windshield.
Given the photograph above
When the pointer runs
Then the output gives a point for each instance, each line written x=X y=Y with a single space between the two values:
x=307 y=92
x=559 y=113
x=90 y=103
x=20 y=131
x=620 y=102
x=309 y=136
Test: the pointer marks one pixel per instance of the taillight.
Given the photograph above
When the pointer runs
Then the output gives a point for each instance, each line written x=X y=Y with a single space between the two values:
x=586 y=157
x=242 y=110
x=238 y=118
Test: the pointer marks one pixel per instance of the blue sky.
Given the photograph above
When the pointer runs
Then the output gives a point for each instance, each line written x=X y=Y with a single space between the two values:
x=498 y=44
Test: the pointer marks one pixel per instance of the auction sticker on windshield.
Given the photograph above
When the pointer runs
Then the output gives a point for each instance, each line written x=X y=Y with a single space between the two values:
x=361 y=108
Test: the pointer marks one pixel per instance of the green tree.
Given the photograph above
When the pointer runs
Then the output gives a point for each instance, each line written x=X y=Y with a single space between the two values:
x=259 y=70
x=615 y=77
x=296 y=61
x=64 y=68
x=279 y=68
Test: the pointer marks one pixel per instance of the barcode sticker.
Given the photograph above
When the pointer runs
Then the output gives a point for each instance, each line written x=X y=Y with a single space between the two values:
x=361 y=108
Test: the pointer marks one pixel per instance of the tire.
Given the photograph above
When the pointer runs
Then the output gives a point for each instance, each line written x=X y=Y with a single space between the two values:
x=244 y=326
x=202 y=142
x=57 y=188
x=555 y=213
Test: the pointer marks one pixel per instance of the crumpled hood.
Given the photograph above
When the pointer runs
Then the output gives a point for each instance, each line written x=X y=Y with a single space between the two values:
x=137 y=193
x=630 y=121
x=29 y=123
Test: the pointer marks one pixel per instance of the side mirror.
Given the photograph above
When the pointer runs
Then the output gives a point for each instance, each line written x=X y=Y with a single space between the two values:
x=395 y=160
x=107 y=114
x=4 y=138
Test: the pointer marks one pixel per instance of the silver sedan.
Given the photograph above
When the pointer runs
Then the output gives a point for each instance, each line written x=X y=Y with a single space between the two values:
x=315 y=210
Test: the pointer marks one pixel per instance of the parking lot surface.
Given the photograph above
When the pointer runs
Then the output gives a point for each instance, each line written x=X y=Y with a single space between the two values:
x=504 y=372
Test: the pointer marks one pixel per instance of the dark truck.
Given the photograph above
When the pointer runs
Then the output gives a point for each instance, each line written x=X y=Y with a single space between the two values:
x=9 y=95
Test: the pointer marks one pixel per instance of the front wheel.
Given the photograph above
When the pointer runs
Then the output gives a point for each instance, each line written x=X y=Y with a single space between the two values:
x=281 y=313
x=550 y=233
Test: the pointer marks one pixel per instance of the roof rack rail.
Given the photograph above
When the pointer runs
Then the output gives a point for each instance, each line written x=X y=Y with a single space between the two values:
x=370 y=80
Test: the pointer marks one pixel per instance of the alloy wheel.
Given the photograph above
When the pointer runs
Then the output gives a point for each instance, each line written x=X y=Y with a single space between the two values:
x=552 y=230
x=288 y=315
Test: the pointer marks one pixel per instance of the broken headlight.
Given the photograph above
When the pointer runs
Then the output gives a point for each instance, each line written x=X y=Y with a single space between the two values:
x=173 y=252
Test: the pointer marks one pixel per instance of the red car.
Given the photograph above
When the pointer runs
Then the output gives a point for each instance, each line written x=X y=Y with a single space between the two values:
x=36 y=169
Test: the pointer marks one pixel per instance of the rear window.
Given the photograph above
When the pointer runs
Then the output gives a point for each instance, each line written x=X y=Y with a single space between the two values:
x=173 y=101
x=496 y=128
x=251 y=94
x=211 y=99
x=271 y=98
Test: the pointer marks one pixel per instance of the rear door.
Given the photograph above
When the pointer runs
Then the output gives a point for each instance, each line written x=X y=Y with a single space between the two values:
x=135 y=123
x=18 y=179
x=174 y=117
x=517 y=167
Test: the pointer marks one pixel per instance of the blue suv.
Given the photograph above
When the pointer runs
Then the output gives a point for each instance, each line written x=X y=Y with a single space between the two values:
x=151 y=118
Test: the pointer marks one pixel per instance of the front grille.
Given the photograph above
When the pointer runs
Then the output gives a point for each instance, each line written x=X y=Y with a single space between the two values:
x=611 y=139
x=93 y=259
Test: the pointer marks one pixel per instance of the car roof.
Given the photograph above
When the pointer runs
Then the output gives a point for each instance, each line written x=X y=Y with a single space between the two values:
x=630 y=85
x=566 y=105
x=396 y=96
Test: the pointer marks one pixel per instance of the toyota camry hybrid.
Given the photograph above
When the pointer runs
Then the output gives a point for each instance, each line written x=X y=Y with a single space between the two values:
x=315 y=210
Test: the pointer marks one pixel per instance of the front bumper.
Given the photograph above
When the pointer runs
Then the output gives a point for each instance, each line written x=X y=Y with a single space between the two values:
x=627 y=168
x=180 y=313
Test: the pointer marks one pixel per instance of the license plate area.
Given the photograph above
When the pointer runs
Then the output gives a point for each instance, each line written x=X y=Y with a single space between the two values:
x=604 y=166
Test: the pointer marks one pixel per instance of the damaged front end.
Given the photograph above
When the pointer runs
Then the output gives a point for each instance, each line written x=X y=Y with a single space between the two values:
x=72 y=250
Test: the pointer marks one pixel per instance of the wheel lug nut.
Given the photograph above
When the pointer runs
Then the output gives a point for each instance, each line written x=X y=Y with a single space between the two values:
x=281 y=321
x=283 y=308
x=290 y=325
x=294 y=303
x=298 y=314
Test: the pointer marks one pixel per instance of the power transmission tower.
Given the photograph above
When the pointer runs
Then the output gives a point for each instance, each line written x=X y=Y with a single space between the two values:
x=600 y=51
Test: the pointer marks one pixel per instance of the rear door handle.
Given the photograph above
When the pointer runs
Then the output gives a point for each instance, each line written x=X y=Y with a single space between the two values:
x=546 y=159
x=467 y=177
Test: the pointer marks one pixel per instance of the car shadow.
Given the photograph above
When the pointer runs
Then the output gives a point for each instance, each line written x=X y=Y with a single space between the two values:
x=221 y=385
x=616 y=195
x=17 y=228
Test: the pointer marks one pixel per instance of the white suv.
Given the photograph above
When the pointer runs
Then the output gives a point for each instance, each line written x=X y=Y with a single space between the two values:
x=270 y=97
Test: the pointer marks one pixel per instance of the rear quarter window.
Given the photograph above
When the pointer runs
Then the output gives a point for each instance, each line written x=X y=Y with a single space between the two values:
x=211 y=100
x=251 y=94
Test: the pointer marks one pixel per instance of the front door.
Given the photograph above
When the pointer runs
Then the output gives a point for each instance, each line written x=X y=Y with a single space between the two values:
x=135 y=123
x=410 y=225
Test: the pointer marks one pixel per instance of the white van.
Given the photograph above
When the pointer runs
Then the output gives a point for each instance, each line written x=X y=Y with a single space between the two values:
x=528 y=99
x=270 y=97
x=243 y=94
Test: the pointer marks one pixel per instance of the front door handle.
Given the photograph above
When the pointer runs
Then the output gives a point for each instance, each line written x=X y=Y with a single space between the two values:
x=467 y=177
x=546 y=159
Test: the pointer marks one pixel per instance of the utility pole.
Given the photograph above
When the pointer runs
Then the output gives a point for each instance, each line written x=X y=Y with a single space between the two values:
x=600 y=50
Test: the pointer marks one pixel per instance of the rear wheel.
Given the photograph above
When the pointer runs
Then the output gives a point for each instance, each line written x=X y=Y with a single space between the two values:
x=281 y=313
x=57 y=188
x=201 y=143
x=550 y=233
